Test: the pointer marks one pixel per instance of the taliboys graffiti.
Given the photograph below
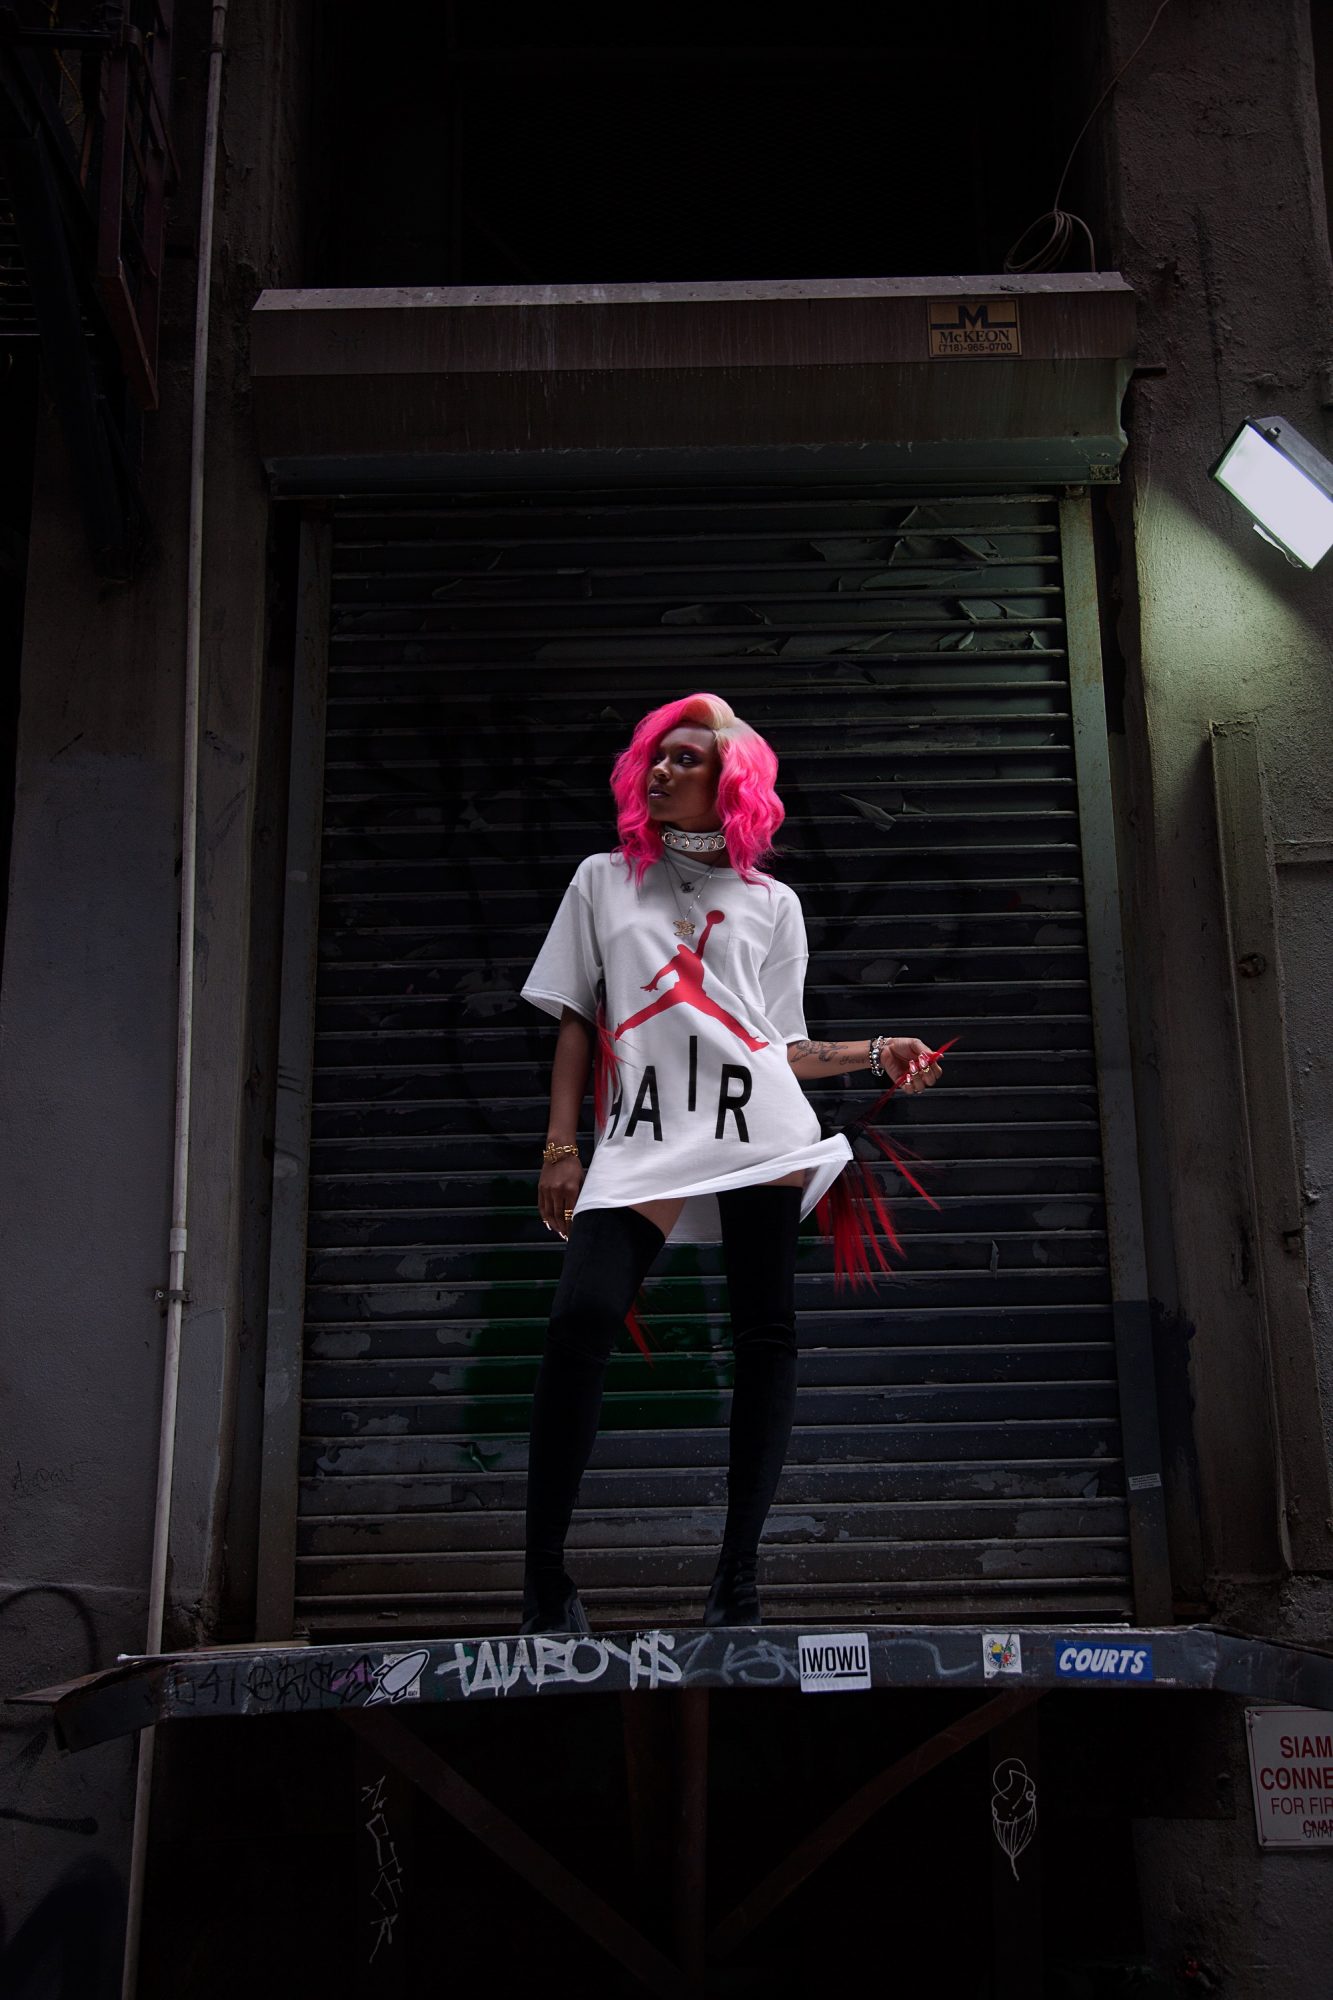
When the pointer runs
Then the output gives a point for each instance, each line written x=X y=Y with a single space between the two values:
x=495 y=1666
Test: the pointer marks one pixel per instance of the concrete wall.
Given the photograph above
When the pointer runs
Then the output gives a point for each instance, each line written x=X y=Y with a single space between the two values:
x=88 y=1011
x=1219 y=221
x=1218 y=218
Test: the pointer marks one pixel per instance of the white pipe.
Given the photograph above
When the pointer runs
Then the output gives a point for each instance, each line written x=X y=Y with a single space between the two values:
x=180 y=1171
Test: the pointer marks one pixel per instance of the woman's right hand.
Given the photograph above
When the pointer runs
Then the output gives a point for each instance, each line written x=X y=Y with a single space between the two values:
x=558 y=1189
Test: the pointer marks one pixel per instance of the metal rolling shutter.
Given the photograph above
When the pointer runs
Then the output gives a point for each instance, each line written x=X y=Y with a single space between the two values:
x=957 y=1450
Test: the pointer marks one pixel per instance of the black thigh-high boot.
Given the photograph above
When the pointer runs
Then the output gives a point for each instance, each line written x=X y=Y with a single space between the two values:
x=608 y=1256
x=759 y=1227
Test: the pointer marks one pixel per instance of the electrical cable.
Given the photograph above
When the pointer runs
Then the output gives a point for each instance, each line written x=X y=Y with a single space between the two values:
x=1062 y=225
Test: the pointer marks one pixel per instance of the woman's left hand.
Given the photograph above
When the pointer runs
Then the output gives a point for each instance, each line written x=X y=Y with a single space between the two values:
x=908 y=1062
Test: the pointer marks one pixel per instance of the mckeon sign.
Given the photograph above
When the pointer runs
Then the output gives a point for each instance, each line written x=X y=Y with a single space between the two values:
x=1291 y=1771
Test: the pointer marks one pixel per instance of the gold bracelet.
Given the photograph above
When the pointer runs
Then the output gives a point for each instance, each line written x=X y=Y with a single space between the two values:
x=551 y=1151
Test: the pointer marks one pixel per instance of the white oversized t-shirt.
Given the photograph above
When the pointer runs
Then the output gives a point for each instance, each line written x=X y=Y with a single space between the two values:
x=705 y=1097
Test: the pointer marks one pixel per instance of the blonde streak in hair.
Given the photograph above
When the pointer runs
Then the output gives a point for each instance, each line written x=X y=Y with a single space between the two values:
x=736 y=729
x=704 y=710
x=738 y=732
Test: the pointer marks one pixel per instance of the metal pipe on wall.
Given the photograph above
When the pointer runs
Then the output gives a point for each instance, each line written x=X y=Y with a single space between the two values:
x=176 y=1245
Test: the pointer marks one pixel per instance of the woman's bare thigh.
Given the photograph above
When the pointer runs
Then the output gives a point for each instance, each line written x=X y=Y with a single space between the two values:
x=666 y=1213
x=663 y=1213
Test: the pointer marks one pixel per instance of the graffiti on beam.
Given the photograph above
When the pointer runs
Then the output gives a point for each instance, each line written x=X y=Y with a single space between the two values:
x=495 y=1666
x=289 y=1683
x=651 y=1660
x=745 y=1663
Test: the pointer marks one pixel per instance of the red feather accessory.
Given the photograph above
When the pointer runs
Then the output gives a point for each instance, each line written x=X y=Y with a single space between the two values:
x=854 y=1212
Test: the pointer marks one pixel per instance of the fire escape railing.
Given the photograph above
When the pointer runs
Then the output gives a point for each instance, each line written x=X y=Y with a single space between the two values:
x=86 y=166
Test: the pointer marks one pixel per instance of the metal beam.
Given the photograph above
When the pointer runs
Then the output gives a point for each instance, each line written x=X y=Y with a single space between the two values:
x=690 y=1871
x=416 y=382
x=296 y=1052
x=311 y=1680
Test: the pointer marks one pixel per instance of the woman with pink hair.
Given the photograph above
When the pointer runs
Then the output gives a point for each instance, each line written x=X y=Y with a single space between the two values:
x=676 y=968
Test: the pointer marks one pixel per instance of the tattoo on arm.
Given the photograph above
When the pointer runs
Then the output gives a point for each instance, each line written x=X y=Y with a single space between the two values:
x=840 y=1055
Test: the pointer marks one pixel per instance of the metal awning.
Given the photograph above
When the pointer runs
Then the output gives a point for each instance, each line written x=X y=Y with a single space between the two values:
x=1003 y=380
x=260 y=1680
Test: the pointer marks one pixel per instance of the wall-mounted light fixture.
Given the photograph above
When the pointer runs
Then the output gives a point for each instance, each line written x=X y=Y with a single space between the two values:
x=1279 y=478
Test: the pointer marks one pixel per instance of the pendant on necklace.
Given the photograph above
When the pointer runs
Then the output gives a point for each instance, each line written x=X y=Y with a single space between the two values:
x=682 y=928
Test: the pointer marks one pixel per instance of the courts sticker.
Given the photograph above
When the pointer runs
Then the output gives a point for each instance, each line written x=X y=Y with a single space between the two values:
x=831 y=1660
x=1078 y=1660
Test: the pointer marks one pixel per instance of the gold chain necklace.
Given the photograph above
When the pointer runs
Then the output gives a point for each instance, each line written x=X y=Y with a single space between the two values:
x=683 y=926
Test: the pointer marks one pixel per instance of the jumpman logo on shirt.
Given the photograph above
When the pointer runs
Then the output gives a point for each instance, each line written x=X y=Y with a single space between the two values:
x=688 y=991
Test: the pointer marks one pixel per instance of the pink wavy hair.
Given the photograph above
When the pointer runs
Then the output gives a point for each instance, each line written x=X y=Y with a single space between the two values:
x=749 y=808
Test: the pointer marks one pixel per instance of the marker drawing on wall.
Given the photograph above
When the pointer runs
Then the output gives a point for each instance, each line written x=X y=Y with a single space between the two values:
x=386 y=1889
x=1013 y=1808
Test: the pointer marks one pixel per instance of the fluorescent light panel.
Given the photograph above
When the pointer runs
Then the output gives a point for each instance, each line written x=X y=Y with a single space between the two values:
x=1289 y=506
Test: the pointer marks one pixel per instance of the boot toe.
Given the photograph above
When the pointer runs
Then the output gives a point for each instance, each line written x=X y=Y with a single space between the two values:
x=551 y=1604
x=733 y=1598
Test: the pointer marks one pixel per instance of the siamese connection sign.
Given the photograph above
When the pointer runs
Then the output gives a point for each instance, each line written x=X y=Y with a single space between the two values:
x=1291 y=1773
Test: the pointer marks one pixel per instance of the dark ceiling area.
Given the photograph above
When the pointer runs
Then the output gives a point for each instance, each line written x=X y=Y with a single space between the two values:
x=497 y=144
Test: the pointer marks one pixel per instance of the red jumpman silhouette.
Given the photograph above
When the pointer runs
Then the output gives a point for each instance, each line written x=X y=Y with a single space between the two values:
x=688 y=990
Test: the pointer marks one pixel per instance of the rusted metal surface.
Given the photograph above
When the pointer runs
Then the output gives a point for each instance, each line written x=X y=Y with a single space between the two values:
x=851 y=1816
x=958 y=1440
x=648 y=1735
x=87 y=167
x=393 y=1740
x=138 y=170
x=406 y=377
x=532 y=1862
x=100 y=82
x=312 y=1680
x=690 y=1870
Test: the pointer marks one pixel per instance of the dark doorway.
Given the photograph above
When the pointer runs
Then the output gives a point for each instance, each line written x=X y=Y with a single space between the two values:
x=510 y=145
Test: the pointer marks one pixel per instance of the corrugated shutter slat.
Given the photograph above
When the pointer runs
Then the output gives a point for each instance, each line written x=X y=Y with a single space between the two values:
x=957 y=1450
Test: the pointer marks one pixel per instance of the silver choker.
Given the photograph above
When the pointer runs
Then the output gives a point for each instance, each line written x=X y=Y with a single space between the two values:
x=693 y=843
